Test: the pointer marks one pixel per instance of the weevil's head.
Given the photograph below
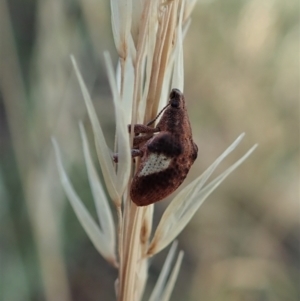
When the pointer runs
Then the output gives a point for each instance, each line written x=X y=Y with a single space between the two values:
x=176 y=99
x=174 y=108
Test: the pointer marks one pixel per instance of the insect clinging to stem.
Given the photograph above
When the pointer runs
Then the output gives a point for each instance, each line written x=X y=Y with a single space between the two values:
x=167 y=152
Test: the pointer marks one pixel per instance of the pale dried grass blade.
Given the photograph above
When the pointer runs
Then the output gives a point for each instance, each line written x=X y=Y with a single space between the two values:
x=103 y=152
x=91 y=228
x=141 y=278
x=178 y=72
x=173 y=277
x=125 y=10
x=115 y=23
x=165 y=51
x=124 y=153
x=187 y=202
x=162 y=279
x=165 y=92
x=137 y=10
x=186 y=27
x=101 y=202
x=143 y=262
x=132 y=256
x=146 y=73
x=146 y=227
x=121 y=23
x=148 y=62
x=149 y=13
x=132 y=49
x=174 y=69
x=127 y=87
x=189 y=6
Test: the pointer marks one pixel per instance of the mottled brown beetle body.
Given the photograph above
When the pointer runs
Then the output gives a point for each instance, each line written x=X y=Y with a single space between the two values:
x=166 y=157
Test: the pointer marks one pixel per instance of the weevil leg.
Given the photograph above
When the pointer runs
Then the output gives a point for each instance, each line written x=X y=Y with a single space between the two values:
x=142 y=129
x=115 y=158
x=137 y=141
x=134 y=153
x=195 y=151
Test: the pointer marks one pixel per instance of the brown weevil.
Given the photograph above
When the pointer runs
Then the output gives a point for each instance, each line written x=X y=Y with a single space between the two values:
x=167 y=153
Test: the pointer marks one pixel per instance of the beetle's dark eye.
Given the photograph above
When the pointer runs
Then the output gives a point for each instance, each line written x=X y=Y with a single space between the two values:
x=175 y=102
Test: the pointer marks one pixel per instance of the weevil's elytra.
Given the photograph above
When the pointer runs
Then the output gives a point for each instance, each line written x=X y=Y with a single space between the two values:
x=166 y=157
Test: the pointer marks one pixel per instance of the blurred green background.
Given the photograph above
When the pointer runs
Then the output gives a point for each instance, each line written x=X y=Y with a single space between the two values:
x=241 y=75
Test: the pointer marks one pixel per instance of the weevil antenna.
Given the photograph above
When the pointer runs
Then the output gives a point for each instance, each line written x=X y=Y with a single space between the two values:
x=152 y=121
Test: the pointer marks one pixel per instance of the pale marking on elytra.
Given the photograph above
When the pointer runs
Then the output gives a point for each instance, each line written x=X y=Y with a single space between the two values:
x=155 y=163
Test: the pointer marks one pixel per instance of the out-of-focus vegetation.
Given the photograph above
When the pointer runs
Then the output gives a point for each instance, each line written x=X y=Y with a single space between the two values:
x=241 y=75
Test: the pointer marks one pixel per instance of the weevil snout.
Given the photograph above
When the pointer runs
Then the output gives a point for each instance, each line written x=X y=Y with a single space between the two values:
x=175 y=98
